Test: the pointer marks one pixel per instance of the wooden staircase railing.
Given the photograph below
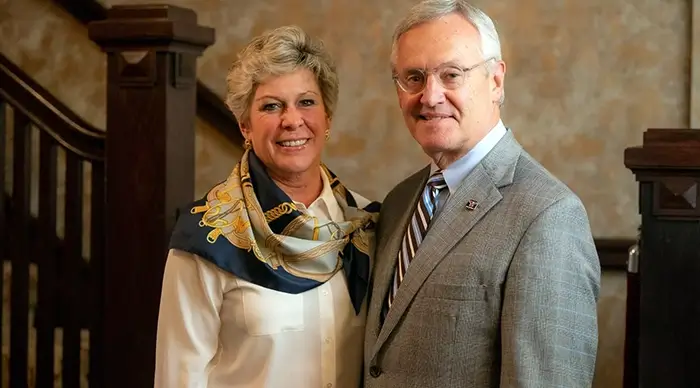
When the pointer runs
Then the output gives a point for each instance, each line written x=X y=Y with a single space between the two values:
x=51 y=234
x=84 y=240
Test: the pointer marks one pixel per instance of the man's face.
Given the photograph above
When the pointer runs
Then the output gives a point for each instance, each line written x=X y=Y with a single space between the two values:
x=448 y=122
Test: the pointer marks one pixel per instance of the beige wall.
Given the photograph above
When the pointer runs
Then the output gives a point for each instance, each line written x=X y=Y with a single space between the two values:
x=585 y=79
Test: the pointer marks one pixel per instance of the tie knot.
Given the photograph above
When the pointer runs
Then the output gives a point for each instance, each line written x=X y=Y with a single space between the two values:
x=437 y=181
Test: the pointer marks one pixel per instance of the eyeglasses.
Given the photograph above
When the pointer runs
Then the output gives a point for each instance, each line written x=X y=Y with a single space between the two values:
x=451 y=77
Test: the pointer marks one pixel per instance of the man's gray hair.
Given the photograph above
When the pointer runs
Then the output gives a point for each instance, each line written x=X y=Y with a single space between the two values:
x=428 y=10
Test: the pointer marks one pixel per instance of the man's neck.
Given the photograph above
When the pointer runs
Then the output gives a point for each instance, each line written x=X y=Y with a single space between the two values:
x=445 y=158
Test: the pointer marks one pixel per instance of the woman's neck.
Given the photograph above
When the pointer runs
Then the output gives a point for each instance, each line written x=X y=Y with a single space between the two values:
x=303 y=187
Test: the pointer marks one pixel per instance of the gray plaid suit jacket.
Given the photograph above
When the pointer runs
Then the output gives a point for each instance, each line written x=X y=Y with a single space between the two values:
x=500 y=296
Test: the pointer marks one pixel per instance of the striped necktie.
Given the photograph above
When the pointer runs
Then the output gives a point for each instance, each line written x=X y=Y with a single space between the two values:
x=416 y=230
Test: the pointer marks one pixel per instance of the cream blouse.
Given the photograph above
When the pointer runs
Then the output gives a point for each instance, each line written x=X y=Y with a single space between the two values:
x=216 y=331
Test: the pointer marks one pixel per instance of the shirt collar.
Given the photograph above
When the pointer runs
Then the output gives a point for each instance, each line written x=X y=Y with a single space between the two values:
x=456 y=172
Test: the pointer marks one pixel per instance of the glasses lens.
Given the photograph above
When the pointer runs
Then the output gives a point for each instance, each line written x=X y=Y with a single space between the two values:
x=412 y=81
x=451 y=77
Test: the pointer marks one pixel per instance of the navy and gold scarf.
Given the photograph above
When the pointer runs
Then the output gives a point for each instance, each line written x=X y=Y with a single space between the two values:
x=249 y=227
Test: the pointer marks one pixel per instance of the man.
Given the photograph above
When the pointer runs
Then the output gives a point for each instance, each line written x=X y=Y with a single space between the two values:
x=501 y=290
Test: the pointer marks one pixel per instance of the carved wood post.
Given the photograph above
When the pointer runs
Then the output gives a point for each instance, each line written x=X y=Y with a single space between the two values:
x=667 y=167
x=151 y=65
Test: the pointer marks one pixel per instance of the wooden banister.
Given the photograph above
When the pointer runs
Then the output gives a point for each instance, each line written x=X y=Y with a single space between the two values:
x=613 y=252
x=47 y=112
x=37 y=131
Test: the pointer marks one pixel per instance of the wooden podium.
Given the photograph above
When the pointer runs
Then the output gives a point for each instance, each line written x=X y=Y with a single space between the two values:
x=667 y=350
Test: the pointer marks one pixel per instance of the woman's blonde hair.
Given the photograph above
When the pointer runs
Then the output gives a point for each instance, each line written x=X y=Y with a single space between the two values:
x=277 y=52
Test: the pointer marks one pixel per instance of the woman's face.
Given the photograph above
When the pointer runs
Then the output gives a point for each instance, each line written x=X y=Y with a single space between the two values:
x=287 y=124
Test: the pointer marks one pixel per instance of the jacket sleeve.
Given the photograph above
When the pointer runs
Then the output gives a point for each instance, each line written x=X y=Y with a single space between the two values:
x=549 y=318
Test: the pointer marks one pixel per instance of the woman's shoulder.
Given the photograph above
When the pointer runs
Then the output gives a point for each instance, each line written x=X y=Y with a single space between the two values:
x=187 y=266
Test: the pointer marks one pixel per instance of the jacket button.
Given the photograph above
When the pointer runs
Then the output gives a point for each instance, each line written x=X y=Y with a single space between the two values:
x=375 y=371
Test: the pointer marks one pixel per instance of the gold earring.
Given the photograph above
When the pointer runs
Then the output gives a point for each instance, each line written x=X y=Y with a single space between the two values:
x=246 y=144
x=328 y=134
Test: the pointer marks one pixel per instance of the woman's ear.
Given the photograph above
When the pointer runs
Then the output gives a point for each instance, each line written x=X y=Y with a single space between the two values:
x=241 y=124
x=243 y=128
x=245 y=132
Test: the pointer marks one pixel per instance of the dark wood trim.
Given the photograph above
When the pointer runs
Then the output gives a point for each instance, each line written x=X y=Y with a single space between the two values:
x=665 y=150
x=85 y=11
x=210 y=106
x=35 y=239
x=613 y=253
x=48 y=113
x=662 y=337
x=150 y=161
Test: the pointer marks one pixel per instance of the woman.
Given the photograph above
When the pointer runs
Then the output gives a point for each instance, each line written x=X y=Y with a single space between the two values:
x=266 y=280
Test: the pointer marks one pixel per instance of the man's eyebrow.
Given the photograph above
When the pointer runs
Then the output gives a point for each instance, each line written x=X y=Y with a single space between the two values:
x=451 y=63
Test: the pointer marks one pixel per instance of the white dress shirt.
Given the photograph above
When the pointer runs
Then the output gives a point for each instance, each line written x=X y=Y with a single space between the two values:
x=216 y=330
x=458 y=171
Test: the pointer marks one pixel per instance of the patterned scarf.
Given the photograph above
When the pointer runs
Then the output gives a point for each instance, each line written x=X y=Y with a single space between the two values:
x=249 y=227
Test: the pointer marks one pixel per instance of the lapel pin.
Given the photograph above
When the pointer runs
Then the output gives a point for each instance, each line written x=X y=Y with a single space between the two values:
x=472 y=204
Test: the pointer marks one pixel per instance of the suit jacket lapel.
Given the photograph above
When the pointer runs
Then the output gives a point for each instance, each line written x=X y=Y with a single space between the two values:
x=388 y=251
x=454 y=221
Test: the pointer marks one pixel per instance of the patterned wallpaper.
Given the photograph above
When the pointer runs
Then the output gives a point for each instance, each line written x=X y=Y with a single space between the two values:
x=584 y=80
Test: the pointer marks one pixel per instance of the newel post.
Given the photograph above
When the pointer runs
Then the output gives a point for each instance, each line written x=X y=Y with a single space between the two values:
x=667 y=167
x=151 y=87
